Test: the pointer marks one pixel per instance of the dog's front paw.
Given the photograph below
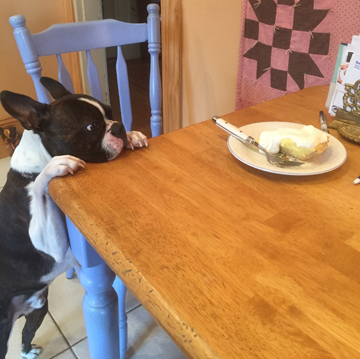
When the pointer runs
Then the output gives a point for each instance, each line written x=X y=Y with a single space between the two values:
x=63 y=165
x=58 y=166
x=136 y=139
x=33 y=353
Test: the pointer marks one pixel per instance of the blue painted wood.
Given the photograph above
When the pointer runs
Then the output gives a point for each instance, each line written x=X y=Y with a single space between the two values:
x=93 y=77
x=124 y=90
x=70 y=273
x=155 y=80
x=100 y=303
x=63 y=74
x=29 y=55
x=99 y=306
x=89 y=35
x=83 y=251
x=121 y=290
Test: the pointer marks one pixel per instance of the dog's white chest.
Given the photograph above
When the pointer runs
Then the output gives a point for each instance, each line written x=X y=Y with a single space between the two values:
x=59 y=268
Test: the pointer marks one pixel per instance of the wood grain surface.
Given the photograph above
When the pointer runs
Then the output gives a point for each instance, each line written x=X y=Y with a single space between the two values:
x=232 y=261
x=171 y=50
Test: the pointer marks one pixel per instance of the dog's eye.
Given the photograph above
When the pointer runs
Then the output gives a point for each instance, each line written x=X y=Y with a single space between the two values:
x=93 y=127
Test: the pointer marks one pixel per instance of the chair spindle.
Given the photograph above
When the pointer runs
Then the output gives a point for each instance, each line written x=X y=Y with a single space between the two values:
x=124 y=90
x=29 y=55
x=155 y=80
x=63 y=73
x=93 y=77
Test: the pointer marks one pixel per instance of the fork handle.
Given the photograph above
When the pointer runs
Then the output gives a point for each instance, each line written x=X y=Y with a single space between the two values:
x=231 y=129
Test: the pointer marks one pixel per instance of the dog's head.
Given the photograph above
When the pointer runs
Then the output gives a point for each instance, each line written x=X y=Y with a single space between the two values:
x=77 y=125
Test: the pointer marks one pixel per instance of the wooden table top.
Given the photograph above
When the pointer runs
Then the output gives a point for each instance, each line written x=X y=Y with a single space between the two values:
x=232 y=261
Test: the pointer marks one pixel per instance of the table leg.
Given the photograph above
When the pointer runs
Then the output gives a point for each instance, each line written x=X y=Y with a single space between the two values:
x=100 y=308
x=100 y=303
x=120 y=289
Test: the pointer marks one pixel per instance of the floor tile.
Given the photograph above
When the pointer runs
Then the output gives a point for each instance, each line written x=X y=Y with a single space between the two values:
x=65 y=305
x=4 y=169
x=130 y=302
x=67 y=354
x=82 y=349
x=146 y=338
x=48 y=336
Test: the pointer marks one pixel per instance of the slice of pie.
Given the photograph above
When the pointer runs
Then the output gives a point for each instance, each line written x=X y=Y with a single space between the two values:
x=301 y=143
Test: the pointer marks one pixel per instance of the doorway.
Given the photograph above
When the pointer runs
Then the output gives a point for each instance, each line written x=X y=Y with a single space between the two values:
x=171 y=53
x=137 y=60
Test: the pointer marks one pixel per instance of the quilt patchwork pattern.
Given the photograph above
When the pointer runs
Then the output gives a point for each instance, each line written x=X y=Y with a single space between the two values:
x=285 y=42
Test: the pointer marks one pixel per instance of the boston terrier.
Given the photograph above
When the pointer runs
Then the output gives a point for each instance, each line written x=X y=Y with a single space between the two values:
x=34 y=248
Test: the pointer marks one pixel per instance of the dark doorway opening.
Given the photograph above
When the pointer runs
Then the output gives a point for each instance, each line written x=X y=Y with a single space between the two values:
x=137 y=60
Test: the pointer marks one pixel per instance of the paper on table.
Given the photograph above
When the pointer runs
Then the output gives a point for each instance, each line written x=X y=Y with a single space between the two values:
x=352 y=75
x=342 y=48
x=345 y=73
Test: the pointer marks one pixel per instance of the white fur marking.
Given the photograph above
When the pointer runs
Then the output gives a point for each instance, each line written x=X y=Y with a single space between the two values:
x=22 y=306
x=59 y=268
x=136 y=139
x=94 y=103
x=36 y=302
x=30 y=156
x=47 y=228
x=34 y=352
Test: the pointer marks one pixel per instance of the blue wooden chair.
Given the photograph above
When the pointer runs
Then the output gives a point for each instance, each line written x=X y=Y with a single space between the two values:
x=86 y=36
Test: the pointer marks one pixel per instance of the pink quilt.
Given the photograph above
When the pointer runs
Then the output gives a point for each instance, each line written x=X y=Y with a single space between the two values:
x=287 y=45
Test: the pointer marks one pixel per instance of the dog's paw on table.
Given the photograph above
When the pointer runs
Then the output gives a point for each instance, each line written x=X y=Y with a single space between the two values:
x=136 y=139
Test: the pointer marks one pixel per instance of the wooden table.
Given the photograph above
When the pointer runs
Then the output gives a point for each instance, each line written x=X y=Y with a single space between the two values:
x=233 y=262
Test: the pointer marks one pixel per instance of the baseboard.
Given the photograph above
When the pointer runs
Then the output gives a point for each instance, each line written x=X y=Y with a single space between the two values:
x=6 y=123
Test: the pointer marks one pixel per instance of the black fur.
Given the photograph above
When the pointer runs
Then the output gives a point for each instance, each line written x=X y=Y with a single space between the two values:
x=19 y=274
x=21 y=265
x=66 y=127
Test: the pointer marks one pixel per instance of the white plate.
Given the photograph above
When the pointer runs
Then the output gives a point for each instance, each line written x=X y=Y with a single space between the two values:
x=333 y=157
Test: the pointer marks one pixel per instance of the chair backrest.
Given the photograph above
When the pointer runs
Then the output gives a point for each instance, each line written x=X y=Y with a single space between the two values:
x=86 y=36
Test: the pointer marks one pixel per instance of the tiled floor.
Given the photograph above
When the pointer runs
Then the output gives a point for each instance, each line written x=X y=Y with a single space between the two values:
x=63 y=335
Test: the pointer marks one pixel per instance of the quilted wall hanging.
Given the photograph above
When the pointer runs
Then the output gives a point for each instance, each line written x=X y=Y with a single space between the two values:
x=288 y=45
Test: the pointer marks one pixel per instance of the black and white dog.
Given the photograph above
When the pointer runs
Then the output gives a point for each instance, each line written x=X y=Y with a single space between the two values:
x=58 y=139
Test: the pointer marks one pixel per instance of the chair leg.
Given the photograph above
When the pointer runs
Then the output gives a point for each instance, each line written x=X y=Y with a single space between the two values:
x=155 y=78
x=70 y=273
x=120 y=289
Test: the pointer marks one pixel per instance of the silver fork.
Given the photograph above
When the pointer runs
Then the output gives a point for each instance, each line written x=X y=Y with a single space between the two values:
x=275 y=160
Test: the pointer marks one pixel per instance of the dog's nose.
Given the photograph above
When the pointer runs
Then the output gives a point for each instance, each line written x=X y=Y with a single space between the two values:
x=117 y=129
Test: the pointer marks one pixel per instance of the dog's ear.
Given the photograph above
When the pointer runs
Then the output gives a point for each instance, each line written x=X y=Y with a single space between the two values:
x=30 y=113
x=56 y=89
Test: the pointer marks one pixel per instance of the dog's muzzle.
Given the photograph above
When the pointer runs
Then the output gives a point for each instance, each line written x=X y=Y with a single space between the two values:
x=115 y=139
x=117 y=129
